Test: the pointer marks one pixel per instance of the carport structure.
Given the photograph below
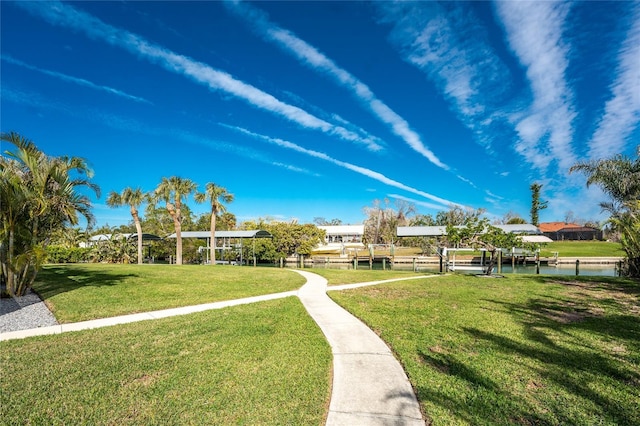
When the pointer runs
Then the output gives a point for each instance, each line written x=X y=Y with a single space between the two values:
x=132 y=237
x=225 y=240
x=524 y=230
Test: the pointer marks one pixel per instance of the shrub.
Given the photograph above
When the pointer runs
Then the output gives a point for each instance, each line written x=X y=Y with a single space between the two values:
x=61 y=254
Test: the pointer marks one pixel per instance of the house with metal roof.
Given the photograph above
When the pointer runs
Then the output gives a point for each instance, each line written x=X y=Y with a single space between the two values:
x=340 y=238
x=530 y=233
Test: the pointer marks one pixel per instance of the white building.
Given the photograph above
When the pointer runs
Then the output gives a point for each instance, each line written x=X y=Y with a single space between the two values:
x=340 y=238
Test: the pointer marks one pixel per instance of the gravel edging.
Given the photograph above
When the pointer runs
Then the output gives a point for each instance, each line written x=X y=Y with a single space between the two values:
x=23 y=313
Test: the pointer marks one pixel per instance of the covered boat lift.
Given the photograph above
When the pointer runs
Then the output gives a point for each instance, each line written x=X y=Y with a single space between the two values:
x=225 y=238
x=132 y=237
x=528 y=233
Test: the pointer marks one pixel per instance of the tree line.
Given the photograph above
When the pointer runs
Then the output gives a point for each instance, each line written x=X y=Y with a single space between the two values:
x=42 y=201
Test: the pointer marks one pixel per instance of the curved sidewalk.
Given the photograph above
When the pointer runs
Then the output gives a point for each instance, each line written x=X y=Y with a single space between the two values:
x=370 y=386
x=143 y=316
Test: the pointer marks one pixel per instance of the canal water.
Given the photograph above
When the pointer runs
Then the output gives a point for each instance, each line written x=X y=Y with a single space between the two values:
x=586 y=270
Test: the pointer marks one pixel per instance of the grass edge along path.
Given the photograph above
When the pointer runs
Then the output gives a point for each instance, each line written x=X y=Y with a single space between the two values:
x=356 y=276
x=81 y=292
x=519 y=350
x=265 y=363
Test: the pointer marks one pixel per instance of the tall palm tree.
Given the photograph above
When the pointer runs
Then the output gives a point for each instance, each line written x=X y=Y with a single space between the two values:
x=132 y=198
x=619 y=178
x=173 y=191
x=39 y=195
x=216 y=196
x=536 y=204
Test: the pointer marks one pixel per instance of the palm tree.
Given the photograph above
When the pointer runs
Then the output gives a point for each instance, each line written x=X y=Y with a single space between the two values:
x=619 y=178
x=216 y=196
x=39 y=196
x=536 y=204
x=173 y=191
x=133 y=198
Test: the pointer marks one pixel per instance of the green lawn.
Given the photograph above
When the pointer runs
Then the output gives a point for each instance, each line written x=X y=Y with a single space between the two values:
x=351 y=276
x=79 y=292
x=259 y=364
x=518 y=350
x=582 y=249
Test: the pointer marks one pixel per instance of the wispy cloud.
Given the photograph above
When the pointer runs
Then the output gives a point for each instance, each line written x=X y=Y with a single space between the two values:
x=57 y=13
x=114 y=121
x=465 y=180
x=334 y=118
x=534 y=33
x=75 y=80
x=295 y=169
x=621 y=112
x=354 y=168
x=316 y=60
x=492 y=195
x=425 y=204
x=449 y=46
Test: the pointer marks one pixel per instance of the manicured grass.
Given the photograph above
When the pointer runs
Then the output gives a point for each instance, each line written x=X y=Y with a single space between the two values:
x=81 y=292
x=259 y=364
x=518 y=350
x=582 y=249
x=350 y=276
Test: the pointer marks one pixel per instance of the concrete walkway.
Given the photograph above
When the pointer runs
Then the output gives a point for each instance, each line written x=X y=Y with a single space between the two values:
x=369 y=385
x=125 y=319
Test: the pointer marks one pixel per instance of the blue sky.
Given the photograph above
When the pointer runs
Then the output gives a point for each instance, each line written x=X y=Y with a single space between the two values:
x=315 y=109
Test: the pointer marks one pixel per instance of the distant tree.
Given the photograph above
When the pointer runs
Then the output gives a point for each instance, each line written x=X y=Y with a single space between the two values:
x=427 y=245
x=224 y=222
x=216 y=195
x=174 y=191
x=422 y=220
x=478 y=233
x=263 y=248
x=321 y=221
x=132 y=198
x=511 y=218
x=157 y=220
x=536 y=204
x=516 y=221
x=289 y=238
x=619 y=178
x=458 y=216
x=114 y=248
x=69 y=237
x=383 y=219
x=592 y=224
x=293 y=238
x=570 y=217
